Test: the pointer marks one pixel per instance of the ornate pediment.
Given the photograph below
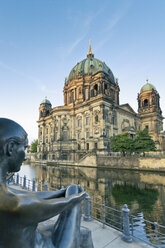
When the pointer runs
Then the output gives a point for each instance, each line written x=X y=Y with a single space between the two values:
x=127 y=107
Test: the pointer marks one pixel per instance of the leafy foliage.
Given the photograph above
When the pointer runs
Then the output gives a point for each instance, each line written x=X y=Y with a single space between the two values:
x=33 y=147
x=129 y=194
x=122 y=143
x=143 y=142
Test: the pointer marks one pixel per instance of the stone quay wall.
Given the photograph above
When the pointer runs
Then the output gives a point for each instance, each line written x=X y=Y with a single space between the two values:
x=135 y=163
x=111 y=162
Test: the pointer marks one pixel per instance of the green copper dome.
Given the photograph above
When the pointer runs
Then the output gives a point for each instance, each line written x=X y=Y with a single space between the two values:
x=147 y=87
x=46 y=101
x=90 y=66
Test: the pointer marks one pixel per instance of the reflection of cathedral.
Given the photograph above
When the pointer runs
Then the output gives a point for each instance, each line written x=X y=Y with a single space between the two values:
x=92 y=114
x=142 y=191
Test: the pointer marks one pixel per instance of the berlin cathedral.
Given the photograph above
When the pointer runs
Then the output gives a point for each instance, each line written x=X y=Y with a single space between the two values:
x=92 y=114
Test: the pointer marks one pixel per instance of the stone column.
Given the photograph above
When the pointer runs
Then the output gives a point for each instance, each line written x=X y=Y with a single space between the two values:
x=59 y=127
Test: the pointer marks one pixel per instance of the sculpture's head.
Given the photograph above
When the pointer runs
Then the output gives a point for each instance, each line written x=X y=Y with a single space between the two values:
x=13 y=142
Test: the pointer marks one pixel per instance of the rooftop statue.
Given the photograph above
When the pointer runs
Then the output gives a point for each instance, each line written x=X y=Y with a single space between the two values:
x=21 y=211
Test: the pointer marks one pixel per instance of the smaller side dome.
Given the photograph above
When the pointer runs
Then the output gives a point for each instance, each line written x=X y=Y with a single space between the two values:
x=46 y=101
x=147 y=87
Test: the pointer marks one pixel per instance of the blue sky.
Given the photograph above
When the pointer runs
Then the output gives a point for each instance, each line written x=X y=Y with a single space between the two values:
x=41 y=41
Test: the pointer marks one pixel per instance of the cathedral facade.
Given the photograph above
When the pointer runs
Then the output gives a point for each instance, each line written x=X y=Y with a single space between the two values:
x=92 y=114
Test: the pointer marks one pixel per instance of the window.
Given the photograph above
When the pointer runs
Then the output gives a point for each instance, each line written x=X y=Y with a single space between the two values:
x=65 y=135
x=96 y=118
x=145 y=102
x=87 y=135
x=106 y=89
x=147 y=127
x=79 y=135
x=95 y=90
x=106 y=117
x=71 y=96
x=79 y=147
x=87 y=146
x=55 y=136
x=87 y=120
x=79 y=122
x=95 y=145
x=113 y=120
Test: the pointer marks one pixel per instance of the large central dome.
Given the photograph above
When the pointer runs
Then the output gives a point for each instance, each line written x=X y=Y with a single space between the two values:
x=90 y=66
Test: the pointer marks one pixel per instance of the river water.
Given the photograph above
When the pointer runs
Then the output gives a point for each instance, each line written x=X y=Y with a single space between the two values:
x=143 y=192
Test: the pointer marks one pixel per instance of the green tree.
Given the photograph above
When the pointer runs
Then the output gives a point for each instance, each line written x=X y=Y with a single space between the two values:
x=33 y=147
x=143 y=142
x=122 y=143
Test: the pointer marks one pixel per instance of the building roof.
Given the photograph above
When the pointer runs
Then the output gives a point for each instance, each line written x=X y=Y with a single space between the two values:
x=46 y=101
x=90 y=66
x=147 y=87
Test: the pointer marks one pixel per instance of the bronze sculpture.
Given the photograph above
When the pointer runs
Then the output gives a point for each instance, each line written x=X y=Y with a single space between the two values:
x=20 y=212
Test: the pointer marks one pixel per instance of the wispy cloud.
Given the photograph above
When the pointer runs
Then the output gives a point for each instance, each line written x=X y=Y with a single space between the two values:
x=113 y=21
x=75 y=44
x=88 y=20
x=118 y=15
x=101 y=43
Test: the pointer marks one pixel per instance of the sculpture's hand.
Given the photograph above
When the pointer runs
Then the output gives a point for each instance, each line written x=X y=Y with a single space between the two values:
x=77 y=198
x=80 y=189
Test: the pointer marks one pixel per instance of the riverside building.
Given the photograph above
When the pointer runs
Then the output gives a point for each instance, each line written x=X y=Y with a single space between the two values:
x=92 y=114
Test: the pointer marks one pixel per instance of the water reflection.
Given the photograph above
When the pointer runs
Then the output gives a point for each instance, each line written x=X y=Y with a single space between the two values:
x=144 y=192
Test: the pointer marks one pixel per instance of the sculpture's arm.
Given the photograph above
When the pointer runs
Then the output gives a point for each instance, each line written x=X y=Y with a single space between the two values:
x=41 y=195
x=34 y=210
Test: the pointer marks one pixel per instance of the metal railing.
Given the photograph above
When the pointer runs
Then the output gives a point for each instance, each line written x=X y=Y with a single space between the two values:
x=147 y=155
x=31 y=185
x=107 y=215
x=131 y=226
x=150 y=232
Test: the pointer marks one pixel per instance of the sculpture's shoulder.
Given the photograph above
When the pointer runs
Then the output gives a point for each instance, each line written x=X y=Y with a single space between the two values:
x=9 y=201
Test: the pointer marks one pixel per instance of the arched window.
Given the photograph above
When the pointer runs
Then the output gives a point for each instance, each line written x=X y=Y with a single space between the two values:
x=87 y=120
x=65 y=135
x=71 y=96
x=145 y=102
x=147 y=127
x=106 y=89
x=79 y=122
x=95 y=90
